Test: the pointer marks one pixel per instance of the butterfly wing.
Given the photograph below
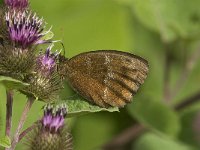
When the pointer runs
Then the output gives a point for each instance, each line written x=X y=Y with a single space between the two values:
x=107 y=77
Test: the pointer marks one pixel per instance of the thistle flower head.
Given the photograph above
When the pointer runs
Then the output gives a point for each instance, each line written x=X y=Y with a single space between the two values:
x=25 y=28
x=46 y=63
x=17 y=4
x=53 y=118
x=15 y=62
x=45 y=82
x=51 y=133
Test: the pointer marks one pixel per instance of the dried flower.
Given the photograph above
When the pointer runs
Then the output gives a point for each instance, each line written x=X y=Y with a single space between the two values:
x=51 y=132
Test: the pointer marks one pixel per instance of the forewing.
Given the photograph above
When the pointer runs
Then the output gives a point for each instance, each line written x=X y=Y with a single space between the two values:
x=107 y=77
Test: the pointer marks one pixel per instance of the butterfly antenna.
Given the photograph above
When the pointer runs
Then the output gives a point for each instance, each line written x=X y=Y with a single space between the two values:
x=63 y=47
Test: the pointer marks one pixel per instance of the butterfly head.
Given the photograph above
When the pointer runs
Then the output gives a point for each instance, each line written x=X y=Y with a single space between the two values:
x=62 y=66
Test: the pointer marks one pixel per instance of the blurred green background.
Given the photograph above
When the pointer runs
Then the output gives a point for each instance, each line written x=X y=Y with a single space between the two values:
x=164 y=32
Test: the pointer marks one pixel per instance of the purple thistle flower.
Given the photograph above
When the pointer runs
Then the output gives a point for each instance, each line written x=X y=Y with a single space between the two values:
x=45 y=82
x=17 y=4
x=46 y=63
x=53 y=118
x=51 y=132
x=25 y=28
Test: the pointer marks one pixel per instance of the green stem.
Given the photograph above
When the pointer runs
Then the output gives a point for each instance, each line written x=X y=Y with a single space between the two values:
x=29 y=129
x=21 y=123
x=9 y=105
x=9 y=112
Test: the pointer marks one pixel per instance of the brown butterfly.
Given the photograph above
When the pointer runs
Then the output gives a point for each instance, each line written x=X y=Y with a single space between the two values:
x=105 y=77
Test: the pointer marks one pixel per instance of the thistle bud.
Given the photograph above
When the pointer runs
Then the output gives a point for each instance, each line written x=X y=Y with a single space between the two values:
x=45 y=83
x=17 y=4
x=15 y=62
x=51 y=132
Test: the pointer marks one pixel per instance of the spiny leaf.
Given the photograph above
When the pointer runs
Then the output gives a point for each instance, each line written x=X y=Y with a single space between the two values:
x=11 y=83
x=79 y=106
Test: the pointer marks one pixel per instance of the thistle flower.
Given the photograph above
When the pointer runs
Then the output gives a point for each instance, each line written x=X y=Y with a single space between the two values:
x=25 y=29
x=45 y=82
x=17 y=4
x=46 y=63
x=20 y=32
x=53 y=119
x=51 y=132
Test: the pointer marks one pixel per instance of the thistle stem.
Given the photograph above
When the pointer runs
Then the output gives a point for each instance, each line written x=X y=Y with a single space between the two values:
x=126 y=136
x=188 y=68
x=21 y=122
x=27 y=130
x=9 y=105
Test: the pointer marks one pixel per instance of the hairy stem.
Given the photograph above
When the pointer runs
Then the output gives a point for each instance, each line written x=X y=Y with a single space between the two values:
x=9 y=105
x=21 y=123
x=188 y=101
x=126 y=136
x=26 y=131
x=189 y=66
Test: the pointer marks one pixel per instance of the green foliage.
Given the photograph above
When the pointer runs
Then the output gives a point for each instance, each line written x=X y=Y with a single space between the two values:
x=75 y=21
x=92 y=131
x=79 y=106
x=189 y=123
x=5 y=142
x=155 y=115
x=151 y=141
x=11 y=83
x=172 y=19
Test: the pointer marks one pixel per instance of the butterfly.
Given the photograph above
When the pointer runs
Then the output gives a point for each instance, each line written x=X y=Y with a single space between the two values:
x=105 y=77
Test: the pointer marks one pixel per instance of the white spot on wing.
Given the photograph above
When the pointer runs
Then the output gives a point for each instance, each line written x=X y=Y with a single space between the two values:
x=88 y=65
x=105 y=93
x=107 y=60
